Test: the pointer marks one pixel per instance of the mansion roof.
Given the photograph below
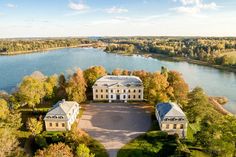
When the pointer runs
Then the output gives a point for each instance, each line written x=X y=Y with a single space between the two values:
x=61 y=110
x=169 y=110
x=111 y=80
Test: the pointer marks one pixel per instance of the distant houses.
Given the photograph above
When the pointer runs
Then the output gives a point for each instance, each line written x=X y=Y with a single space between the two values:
x=171 y=119
x=118 y=88
x=61 y=116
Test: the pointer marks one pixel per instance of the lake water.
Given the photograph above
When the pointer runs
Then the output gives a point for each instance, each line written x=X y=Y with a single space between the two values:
x=14 y=68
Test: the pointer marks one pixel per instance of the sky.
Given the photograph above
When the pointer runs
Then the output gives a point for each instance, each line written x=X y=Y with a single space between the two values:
x=72 y=18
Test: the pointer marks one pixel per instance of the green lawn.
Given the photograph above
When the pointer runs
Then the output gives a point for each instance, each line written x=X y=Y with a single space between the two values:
x=151 y=144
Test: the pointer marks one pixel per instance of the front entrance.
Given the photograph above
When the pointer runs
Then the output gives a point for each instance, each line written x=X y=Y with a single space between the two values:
x=117 y=97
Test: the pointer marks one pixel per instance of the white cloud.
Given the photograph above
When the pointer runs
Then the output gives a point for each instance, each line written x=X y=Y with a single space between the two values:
x=10 y=5
x=187 y=10
x=78 y=6
x=116 y=10
x=187 y=2
x=121 y=18
x=194 y=7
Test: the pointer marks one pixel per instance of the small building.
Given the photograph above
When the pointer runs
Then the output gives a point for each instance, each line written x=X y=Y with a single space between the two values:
x=172 y=119
x=118 y=88
x=61 y=116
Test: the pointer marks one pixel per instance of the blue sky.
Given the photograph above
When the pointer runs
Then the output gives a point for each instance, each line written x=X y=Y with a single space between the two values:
x=58 y=18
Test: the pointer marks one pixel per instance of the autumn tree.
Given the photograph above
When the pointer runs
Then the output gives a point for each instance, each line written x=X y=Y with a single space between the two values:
x=4 y=111
x=93 y=73
x=34 y=126
x=117 y=72
x=31 y=91
x=180 y=87
x=50 y=85
x=159 y=89
x=76 y=87
x=10 y=122
x=83 y=151
x=55 y=150
x=146 y=78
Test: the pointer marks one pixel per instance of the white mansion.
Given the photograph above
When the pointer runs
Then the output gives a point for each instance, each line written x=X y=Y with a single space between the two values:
x=118 y=88
x=172 y=119
x=61 y=116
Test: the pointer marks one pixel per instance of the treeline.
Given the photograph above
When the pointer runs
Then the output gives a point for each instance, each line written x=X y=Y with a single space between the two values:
x=117 y=48
x=24 y=45
x=217 y=51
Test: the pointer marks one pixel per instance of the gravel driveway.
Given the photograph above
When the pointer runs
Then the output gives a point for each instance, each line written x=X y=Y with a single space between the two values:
x=114 y=124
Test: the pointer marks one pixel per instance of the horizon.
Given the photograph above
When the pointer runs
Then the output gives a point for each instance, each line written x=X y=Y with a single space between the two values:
x=117 y=18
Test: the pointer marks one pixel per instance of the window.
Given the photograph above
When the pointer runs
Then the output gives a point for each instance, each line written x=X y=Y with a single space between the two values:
x=167 y=126
x=112 y=96
x=134 y=96
x=107 y=96
x=129 y=91
x=63 y=124
x=96 y=91
x=107 y=90
x=101 y=90
x=50 y=124
x=118 y=91
x=139 y=91
x=139 y=96
x=124 y=90
x=56 y=124
x=96 y=96
x=102 y=96
x=174 y=126
x=112 y=91
x=134 y=90
x=124 y=97
x=181 y=126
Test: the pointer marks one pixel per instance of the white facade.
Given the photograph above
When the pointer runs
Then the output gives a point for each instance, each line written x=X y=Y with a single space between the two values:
x=61 y=116
x=172 y=119
x=118 y=88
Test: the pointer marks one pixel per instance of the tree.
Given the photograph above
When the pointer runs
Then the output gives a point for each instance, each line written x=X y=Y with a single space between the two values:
x=61 y=90
x=34 y=126
x=146 y=79
x=159 y=89
x=10 y=122
x=83 y=151
x=76 y=87
x=180 y=87
x=8 y=142
x=50 y=85
x=197 y=103
x=55 y=150
x=117 y=72
x=217 y=134
x=93 y=73
x=31 y=91
x=4 y=111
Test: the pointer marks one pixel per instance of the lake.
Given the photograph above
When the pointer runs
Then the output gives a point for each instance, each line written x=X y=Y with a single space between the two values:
x=13 y=68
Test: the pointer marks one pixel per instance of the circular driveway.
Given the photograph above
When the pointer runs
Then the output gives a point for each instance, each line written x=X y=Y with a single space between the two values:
x=114 y=124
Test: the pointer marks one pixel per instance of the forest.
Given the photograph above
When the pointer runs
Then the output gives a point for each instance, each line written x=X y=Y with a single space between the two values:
x=17 y=46
x=214 y=51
